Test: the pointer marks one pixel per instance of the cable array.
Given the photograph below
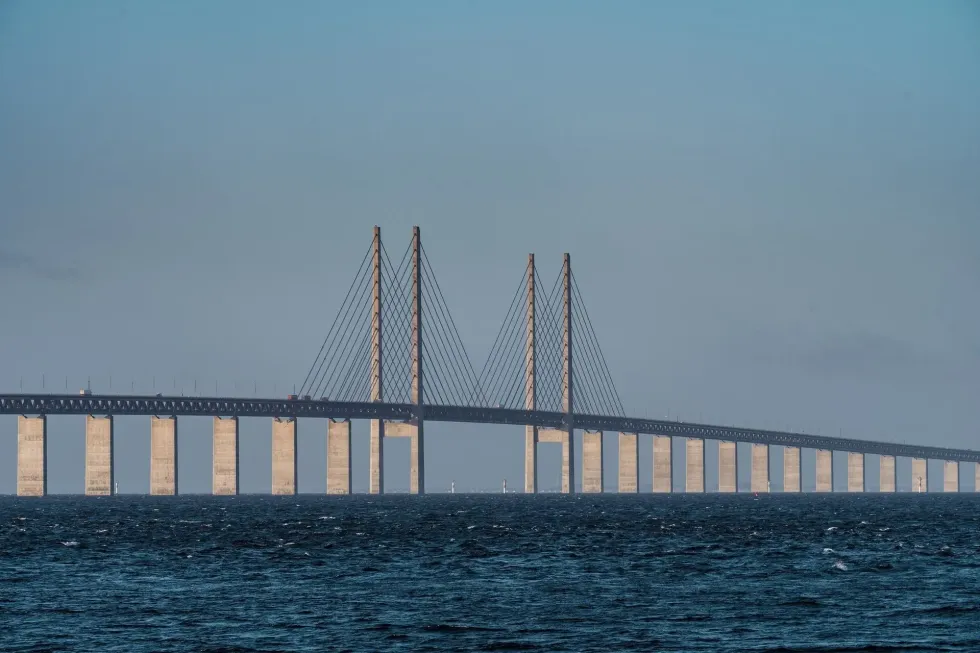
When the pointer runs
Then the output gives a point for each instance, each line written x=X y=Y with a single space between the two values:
x=455 y=382
x=343 y=356
x=342 y=369
x=595 y=391
x=504 y=373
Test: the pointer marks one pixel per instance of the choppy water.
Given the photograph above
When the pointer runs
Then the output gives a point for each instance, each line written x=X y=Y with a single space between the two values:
x=491 y=573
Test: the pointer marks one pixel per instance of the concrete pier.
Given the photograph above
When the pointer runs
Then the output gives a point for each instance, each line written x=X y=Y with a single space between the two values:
x=662 y=464
x=920 y=475
x=284 y=456
x=592 y=462
x=727 y=467
x=224 y=476
x=792 y=469
x=760 y=468
x=99 y=479
x=694 y=478
x=376 y=472
x=629 y=463
x=32 y=456
x=887 y=480
x=951 y=476
x=825 y=470
x=338 y=457
x=530 y=460
x=163 y=455
x=855 y=472
x=560 y=436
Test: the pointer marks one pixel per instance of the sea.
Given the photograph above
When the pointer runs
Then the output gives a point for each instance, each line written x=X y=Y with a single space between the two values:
x=788 y=573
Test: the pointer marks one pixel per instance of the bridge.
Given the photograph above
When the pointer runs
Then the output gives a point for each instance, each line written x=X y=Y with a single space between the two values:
x=393 y=356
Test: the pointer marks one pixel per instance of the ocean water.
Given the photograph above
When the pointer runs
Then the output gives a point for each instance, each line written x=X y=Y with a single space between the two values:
x=491 y=573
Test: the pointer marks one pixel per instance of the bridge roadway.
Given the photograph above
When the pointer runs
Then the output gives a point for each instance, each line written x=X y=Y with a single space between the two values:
x=53 y=404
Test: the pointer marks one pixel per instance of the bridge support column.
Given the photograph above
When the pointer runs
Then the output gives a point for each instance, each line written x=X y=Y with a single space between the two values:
x=825 y=470
x=338 y=457
x=376 y=484
x=662 y=464
x=224 y=477
x=561 y=436
x=760 y=467
x=592 y=462
x=694 y=476
x=163 y=455
x=530 y=460
x=629 y=467
x=284 y=456
x=951 y=476
x=416 y=469
x=855 y=472
x=920 y=475
x=99 y=480
x=727 y=467
x=32 y=456
x=792 y=469
x=887 y=479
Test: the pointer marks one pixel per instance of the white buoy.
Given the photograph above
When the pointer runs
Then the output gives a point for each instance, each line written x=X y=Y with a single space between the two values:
x=505 y=486
x=452 y=488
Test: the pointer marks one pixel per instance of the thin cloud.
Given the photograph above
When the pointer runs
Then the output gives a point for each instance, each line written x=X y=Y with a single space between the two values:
x=30 y=266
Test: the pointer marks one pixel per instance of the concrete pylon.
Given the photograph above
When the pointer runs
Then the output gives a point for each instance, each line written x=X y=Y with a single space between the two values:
x=567 y=393
x=694 y=478
x=792 y=469
x=530 y=385
x=376 y=472
x=951 y=476
x=920 y=475
x=416 y=474
x=663 y=464
x=284 y=456
x=338 y=457
x=32 y=456
x=163 y=455
x=99 y=479
x=855 y=472
x=224 y=478
x=629 y=467
x=592 y=462
x=887 y=478
x=760 y=467
x=727 y=467
x=825 y=470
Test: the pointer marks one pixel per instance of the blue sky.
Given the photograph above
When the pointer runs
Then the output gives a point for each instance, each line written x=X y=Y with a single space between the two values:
x=771 y=206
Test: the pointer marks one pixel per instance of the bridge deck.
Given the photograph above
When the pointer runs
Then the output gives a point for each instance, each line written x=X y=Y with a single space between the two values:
x=51 y=404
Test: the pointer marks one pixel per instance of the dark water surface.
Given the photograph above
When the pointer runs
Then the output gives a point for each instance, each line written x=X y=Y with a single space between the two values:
x=491 y=573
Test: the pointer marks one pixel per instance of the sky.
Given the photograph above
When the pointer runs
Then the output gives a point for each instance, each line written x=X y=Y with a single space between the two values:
x=773 y=208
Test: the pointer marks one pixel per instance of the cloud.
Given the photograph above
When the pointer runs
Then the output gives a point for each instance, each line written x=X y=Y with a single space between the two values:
x=848 y=355
x=26 y=265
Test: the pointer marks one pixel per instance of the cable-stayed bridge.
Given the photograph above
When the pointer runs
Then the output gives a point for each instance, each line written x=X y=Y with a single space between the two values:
x=394 y=356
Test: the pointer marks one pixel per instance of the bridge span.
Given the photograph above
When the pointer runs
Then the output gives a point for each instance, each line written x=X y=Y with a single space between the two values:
x=34 y=409
x=394 y=357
